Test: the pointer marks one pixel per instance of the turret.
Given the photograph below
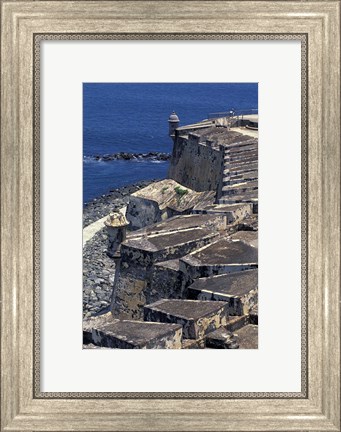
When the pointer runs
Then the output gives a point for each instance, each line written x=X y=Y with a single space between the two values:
x=173 y=122
x=116 y=225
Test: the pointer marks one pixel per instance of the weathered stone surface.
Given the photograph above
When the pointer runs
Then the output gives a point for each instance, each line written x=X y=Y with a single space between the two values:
x=162 y=246
x=239 y=289
x=195 y=165
x=92 y=346
x=249 y=146
x=237 y=322
x=137 y=335
x=142 y=250
x=242 y=156
x=254 y=314
x=116 y=225
x=248 y=237
x=239 y=178
x=95 y=321
x=248 y=224
x=221 y=339
x=251 y=198
x=167 y=282
x=162 y=200
x=240 y=188
x=247 y=337
x=214 y=221
x=240 y=169
x=222 y=256
x=197 y=317
x=193 y=344
x=233 y=212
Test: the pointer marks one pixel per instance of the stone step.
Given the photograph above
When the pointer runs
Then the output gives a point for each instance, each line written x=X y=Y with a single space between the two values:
x=235 y=157
x=239 y=289
x=237 y=170
x=253 y=201
x=233 y=171
x=196 y=317
x=247 y=337
x=253 y=174
x=221 y=339
x=240 y=188
x=244 y=196
x=241 y=150
x=233 y=212
x=248 y=237
x=241 y=199
x=238 y=167
x=221 y=257
x=241 y=144
x=230 y=181
x=252 y=155
x=177 y=223
x=161 y=246
x=126 y=334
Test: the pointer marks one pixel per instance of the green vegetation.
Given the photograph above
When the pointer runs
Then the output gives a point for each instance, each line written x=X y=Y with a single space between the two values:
x=163 y=190
x=180 y=192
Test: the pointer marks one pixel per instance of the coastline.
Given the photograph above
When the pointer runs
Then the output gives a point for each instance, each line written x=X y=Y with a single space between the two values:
x=98 y=268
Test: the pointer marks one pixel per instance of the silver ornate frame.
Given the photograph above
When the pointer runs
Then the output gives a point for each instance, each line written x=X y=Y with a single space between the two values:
x=24 y=23
x=38 y=38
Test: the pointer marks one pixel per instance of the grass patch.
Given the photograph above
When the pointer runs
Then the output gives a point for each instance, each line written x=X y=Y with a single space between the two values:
x=180 y=192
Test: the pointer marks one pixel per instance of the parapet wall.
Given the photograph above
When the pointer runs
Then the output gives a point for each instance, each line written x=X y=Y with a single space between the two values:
x=195 y=165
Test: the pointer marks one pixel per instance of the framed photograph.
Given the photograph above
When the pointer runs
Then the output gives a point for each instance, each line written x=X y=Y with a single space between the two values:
x=170 y=178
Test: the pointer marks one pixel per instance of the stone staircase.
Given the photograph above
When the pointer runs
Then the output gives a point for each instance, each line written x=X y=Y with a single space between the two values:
x=240 y=174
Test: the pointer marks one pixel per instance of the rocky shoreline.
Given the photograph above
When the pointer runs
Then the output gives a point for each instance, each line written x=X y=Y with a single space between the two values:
x=98 y=275
x=159 y=156
x=98 y=268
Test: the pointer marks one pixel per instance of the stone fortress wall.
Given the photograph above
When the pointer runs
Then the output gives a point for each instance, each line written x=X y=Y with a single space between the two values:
x=187 y=267
x=195 y=163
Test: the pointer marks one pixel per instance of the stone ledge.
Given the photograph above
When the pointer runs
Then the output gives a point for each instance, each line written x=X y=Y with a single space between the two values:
x=128 y=334
x=239 y=290
x=220 y=257
x=197 y=317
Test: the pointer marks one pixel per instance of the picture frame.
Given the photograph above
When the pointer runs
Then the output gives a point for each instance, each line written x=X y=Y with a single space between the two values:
x=24 y=24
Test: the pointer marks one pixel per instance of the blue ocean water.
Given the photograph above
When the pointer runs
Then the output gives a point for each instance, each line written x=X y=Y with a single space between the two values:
x=133 y=118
